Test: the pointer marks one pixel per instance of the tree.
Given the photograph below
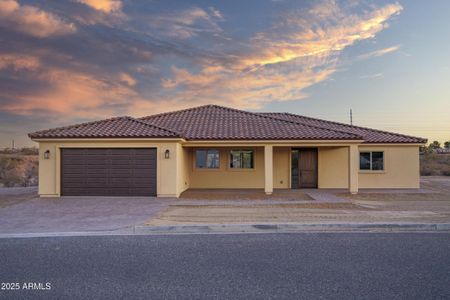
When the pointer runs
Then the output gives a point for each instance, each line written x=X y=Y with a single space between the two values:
x=435 y=145
x=447 y=145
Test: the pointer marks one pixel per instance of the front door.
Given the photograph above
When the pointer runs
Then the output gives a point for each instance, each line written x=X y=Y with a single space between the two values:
x=304 y=168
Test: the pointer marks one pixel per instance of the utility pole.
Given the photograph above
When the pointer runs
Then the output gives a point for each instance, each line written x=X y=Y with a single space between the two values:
x=351 y=117
x=13 y=144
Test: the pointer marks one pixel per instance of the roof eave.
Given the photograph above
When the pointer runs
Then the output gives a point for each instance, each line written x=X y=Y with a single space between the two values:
x=89 y=139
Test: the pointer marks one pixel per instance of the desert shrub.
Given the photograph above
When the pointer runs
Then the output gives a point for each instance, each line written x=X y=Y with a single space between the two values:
x=432 y=164
x=426 y=171
x=446 y=170
x=11 y=178
x=18 y=170
x=29 y=151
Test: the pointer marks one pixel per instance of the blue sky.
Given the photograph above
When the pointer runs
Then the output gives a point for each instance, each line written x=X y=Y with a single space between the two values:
x=63 y=62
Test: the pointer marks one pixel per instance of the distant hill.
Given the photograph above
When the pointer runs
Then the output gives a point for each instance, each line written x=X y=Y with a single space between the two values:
x=19 y=167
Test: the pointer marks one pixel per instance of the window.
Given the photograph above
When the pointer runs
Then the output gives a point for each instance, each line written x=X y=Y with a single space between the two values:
x=241 y=159
x=373 y=161
x=207 y=159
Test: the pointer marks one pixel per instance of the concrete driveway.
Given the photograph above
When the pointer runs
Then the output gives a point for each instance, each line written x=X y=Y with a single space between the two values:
x=79 y=214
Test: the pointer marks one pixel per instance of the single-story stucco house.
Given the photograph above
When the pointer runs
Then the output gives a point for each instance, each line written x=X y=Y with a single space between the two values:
x=211 y=147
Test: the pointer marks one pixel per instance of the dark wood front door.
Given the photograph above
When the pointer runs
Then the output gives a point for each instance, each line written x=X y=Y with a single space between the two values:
x=304 y=168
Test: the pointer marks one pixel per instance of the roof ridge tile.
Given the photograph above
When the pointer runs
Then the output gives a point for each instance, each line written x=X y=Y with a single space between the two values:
x=153 y=125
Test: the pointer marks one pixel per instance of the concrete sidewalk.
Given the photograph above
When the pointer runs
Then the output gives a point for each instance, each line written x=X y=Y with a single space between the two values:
x=291 y=228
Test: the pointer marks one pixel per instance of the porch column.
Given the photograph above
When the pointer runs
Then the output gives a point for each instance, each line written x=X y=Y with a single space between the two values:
x=353 y=162
x=268 y=169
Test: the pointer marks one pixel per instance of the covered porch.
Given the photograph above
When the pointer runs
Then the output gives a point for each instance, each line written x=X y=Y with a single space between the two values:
x=270 y=167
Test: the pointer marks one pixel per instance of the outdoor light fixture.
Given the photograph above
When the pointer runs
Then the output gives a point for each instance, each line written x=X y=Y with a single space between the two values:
x=47 y=154
x=167 y=154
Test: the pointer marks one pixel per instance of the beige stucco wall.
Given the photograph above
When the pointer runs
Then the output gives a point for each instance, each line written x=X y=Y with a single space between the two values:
x=168 y=180
x=224 y=177
x=183 y=182
x=281 y=167
x=333 y=169
x=178 y=173
x=401 y=164
x=401 y=168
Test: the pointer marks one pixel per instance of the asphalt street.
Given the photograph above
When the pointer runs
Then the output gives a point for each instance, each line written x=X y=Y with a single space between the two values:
x=233 y=266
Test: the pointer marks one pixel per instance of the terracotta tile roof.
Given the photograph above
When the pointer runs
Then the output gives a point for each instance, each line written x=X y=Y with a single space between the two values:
x=369 y=135
x=212 y=122
x=119 y=127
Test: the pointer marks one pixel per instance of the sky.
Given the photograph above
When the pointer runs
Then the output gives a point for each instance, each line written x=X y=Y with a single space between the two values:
x=65 y=62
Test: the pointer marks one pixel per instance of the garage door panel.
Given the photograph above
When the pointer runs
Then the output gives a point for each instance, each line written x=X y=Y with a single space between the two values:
x=89 y=159
x=141 y=182
x=94 y=163
x=147 y=173
x=94 y=173
x=121 y=162
x=144 y=167
x=73 y=170
x=108 y=172
x=121 y=172
x=144 y=151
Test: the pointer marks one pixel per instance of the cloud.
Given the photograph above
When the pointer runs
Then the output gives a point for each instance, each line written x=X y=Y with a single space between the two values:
x=371 y=76
x=19 y=62
x=324 y=29
x=188 y=23
x=32 y=20
x=279 y=64
x=59 y=92
x=379 y=52
x=106 y=6
x=157 y=60
x=127 y=79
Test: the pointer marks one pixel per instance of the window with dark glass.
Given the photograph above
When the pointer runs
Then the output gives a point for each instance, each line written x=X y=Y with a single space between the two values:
x=372 y=161
x=241 y=159
x=207 y=159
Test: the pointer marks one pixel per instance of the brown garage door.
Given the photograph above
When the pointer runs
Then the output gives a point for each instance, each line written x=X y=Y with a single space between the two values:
x=108 y=172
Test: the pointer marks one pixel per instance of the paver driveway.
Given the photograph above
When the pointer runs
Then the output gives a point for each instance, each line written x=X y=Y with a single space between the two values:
x=78 y=214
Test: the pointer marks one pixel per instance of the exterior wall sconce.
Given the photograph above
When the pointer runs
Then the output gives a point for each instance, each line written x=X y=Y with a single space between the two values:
x=47 y=154
x=167 y=154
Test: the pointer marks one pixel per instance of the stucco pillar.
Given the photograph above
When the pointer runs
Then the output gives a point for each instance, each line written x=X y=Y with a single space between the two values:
x=268 y=169
x=353 y=168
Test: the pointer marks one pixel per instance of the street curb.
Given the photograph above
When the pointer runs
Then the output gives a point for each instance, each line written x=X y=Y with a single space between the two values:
x=129 y=231
x=291 y=227
x=246 y=228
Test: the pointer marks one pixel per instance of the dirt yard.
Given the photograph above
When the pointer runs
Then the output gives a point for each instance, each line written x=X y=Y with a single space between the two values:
x=431 y=204
x=11 y=196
